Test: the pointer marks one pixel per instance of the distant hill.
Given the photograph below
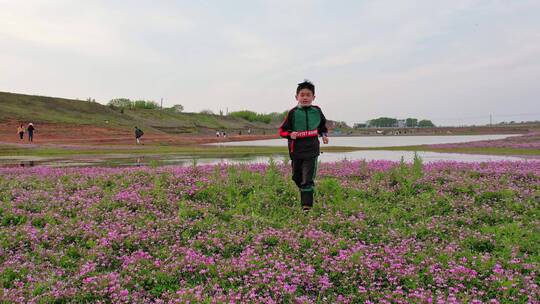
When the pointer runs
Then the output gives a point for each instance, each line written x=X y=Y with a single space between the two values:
x=40 y=109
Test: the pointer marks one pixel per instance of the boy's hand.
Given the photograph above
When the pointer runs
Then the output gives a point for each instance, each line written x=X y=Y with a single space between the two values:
x=325 y=140
x=293 y=135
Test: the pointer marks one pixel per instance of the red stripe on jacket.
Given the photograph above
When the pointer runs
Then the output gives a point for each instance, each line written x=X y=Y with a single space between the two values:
x=284 y=133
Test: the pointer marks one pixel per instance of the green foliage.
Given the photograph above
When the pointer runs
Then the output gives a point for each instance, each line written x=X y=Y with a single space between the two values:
x=383 y=122
x=125 y=103
x=9 y=275
x=121 y=103
x=424 y=123
x=145 y=104
x=494 y=196
x=341 y=124
x=178 y=108
x=387 y=122
x=279 y=117
x=245 y=192
x=252 y=116
x=331 y=191
x=404 y=177
x=411 y=122
x=160 y=282
x=10 y=219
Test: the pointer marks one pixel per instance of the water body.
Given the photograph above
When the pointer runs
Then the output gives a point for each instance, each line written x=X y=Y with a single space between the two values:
x=188 y=160
x=407 y=156
x=379 y=141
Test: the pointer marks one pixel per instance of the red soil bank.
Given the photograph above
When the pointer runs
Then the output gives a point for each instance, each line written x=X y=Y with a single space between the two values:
x=50 y=133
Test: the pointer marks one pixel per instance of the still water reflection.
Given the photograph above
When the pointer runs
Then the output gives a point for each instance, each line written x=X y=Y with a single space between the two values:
x=186 y=160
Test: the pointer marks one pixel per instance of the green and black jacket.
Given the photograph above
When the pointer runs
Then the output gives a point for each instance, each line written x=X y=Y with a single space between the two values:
x=310 y=123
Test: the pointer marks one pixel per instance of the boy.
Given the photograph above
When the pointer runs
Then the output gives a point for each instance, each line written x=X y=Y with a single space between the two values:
x=302 y=126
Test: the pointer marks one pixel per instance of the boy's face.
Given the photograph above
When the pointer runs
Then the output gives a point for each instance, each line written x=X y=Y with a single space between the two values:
x=305 y=97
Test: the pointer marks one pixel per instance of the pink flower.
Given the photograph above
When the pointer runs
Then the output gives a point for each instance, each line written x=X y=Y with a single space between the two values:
x=325 y=283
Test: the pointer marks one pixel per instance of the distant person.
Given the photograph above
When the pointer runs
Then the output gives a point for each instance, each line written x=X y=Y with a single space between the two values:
x=249 y=131
x=138 y=134
x=302 y=126
x=240 y=132
x=20 y=131
x=224 y=134
x=30 y=130
x=217 y=133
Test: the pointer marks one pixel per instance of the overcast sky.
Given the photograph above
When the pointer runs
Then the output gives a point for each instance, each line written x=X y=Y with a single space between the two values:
x=455 y=62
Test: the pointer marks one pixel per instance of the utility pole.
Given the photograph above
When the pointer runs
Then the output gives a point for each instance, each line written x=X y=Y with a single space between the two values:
x=490 y=120
x=162 y=103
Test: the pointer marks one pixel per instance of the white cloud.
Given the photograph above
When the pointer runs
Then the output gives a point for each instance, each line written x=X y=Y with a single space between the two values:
x=367 y=58
x=88 y=29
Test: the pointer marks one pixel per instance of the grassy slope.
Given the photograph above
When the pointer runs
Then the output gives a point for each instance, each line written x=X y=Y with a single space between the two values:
x=174 y=123
x=56 y=110
x=69 y=111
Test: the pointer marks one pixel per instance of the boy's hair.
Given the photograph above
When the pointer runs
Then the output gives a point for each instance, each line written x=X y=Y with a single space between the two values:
x=306 y=84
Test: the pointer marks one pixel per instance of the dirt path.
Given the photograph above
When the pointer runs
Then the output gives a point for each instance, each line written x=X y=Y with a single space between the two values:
x=89 y=137
x=77 y=136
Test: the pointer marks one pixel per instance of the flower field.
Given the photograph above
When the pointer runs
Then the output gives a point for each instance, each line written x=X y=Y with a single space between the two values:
x=530 y=141
x=380 y=232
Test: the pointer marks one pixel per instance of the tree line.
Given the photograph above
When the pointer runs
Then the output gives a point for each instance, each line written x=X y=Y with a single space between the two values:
x=260 y=117
x=387 y=122
x=125 y=103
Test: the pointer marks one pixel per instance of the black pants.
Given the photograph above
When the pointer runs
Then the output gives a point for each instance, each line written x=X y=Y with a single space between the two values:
x=30 y=136
x=21 y=135
x=304 y=172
